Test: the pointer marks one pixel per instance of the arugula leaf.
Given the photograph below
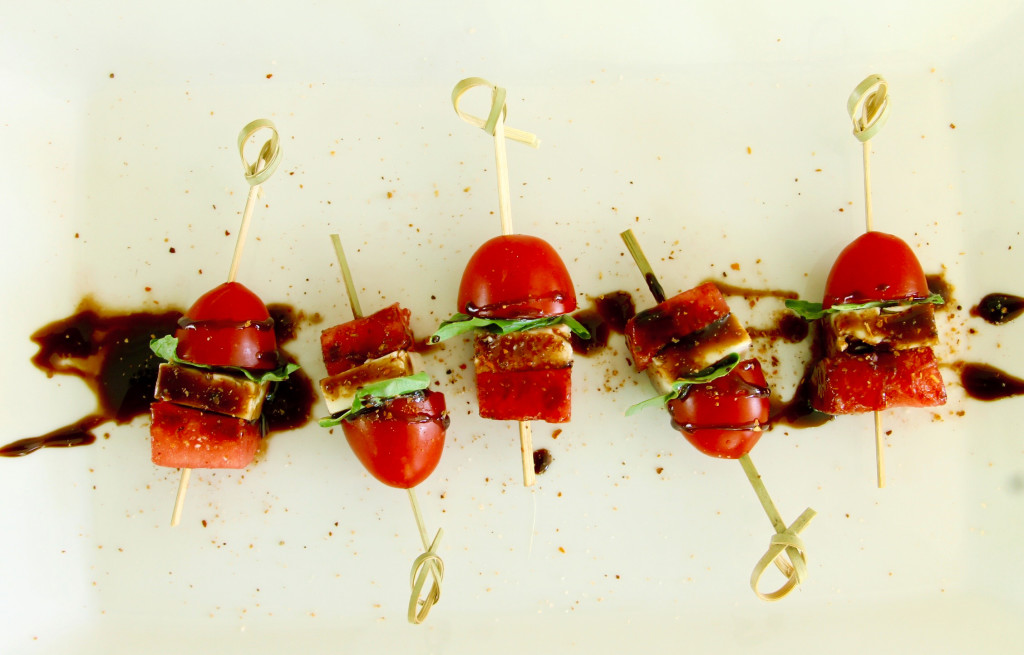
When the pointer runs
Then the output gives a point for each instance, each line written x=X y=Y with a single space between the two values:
x=167 y=348
x=462 y=323
x=721 y=368
x=813 y=310
x=377 y=392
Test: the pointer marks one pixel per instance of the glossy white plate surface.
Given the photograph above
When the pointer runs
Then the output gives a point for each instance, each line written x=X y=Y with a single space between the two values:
x=718 y=134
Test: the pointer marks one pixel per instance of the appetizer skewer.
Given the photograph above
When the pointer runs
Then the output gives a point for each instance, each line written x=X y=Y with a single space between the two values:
x=518 y=293
x=690 y=346
x=393 y=422
x=877 y=313
x=221 y=361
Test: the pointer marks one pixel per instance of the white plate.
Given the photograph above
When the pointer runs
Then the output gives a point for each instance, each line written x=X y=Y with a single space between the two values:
x=719 y=135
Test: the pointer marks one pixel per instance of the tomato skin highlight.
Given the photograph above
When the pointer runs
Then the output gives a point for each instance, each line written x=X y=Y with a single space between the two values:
x=516 y=276
x=228 y=326
x=722 y=418
x=875 y=266
x=400 y=443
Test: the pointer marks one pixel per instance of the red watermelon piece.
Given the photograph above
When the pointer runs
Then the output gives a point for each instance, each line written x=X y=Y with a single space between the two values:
x=182 y=437
x=526 y=395
x=679 y=316
x=351 y=344
x=850 y=384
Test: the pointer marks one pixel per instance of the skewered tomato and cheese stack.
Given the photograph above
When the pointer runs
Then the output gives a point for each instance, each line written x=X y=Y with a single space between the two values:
x=691 y=347
x=694 y=336
x=518 y=292
x=394 y=423
x=221 y=360
x=392 y=420
x=878 y=322
x=877 y=314
x=221 y=363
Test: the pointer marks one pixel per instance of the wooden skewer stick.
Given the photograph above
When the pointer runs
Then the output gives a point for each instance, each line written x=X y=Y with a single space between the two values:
x=255 y=173
x=429 y=563
x=495 y=125
x=505 y=213
x=868 y=107
x=786 y=542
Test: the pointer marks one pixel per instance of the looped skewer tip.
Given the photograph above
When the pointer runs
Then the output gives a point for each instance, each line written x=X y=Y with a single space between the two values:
x=868 y=107
x=429 y=564
x=269 y=156
x=499 y=110
x=788 y=553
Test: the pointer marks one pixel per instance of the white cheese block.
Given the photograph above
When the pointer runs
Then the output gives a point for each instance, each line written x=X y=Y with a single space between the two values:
x=339 y=390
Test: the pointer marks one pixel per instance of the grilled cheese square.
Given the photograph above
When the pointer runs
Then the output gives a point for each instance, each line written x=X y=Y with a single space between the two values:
x=900 y=328
x=339 y=390
x=539 y=349
x=210 y=391
x=680 y=358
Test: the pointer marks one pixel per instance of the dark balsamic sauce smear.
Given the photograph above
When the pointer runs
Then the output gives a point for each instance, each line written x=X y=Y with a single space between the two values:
x=290 y=404
x=752 y=294
x=610 y=313
x=998 y=308
x=797 y=411
x=541 y=460
x=788 y=327
x=937 y=283
x=598 y=330
x=986 y=382
x=110 y=353
x=76 y=434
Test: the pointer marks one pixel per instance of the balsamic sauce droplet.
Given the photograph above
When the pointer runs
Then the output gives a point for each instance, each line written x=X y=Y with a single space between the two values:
x=998 y=308
x=541 y=460
x=986 y=382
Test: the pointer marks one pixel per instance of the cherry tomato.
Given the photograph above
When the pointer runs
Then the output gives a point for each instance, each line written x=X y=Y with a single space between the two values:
x=516 y=276
x=875 y=266
x=400 y=443
x=723 y=417
x=228 y=326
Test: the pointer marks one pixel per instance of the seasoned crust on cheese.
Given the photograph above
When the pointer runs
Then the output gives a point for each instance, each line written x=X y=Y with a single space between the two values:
x=538 y=349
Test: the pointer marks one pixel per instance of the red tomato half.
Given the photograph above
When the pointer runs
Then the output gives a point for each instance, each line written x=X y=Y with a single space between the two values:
x=875 y=266
x=516 y=276
x=228 y=326
x=723 y=417
x=400 y=443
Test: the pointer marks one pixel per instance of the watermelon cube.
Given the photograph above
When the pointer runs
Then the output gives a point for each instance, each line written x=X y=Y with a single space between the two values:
x=539 y=395
x=678 y=317
x=351 y=344
x=183 y=437
x=848 y=383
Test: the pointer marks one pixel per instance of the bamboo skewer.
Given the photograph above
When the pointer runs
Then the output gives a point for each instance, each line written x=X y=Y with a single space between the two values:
x=786 y=548
x=868 y=107
x=256 y=173
x=428 y=564
x=495 y=125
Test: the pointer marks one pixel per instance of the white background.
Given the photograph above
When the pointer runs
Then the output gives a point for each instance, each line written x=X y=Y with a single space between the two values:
x=717 y=133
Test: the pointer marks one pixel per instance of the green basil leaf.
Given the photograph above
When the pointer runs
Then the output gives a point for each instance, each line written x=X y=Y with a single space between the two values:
x=377 y=392
x=167 y=348
x=576 y=327
x=461 y=323
x=812 y=311
x=719 y=369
